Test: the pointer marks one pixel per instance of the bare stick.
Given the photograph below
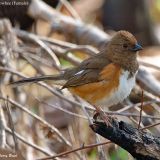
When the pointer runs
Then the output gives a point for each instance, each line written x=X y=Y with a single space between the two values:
x=137 y=105
x=150 y=126
x=62 y=109
x=89 y=34
x=2 y=129
x=108 y=112
x=26 y=35
x=24 y=140
x=69 y=7
x=140 y=117
x=149 y=65
x=84 y=110
x=148 y=82
x=39 y=119
x=75 y=150
x=12 y=126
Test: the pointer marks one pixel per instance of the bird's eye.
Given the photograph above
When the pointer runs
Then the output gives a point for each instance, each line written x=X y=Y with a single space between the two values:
x=125 y=45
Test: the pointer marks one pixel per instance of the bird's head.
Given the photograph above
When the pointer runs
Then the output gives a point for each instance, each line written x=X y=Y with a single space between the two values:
x=123 y=47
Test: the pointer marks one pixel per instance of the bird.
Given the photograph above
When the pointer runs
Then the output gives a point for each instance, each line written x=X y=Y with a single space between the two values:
x=105 y=79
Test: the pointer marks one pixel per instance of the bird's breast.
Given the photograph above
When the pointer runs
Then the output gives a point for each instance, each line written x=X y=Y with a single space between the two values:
x=122 y=91
x=107 y=92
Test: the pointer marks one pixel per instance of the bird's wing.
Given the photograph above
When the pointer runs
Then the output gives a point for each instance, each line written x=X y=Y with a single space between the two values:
x=83 y=77
x=91 y=71
x=88 y=71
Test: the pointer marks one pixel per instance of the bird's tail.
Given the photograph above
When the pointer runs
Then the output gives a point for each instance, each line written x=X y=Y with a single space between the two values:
x=58 y=79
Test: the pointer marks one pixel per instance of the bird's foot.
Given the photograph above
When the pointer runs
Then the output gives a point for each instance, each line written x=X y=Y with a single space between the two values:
x=101 y=115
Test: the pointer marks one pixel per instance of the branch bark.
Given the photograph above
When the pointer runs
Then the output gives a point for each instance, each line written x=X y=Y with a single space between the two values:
x=148 y=82
x=84 y=34
x=140 y=144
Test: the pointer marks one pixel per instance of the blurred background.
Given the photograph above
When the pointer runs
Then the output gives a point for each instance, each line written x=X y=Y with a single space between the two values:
x=38 y=40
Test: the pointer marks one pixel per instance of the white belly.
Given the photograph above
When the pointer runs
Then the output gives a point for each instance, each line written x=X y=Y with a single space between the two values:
x=125 y=86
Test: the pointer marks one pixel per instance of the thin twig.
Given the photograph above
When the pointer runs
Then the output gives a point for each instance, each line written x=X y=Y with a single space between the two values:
x=87 y=115
x=12 y=126
x=84 y=110
x=34 y=38
x=75 y=150
x=70 y=9
x=137 y=105
x=131 y=115
x=149 y=126
x=108 y=112
x=31 y=144
x=149 y=65
x=2 y=129
x=38 y=59
x=63 y=54
x=148 y=82
x=61 y=109
x=90 y=50
x=34 y=64
x=140 y=117
x=59 y=134
x=100 y=149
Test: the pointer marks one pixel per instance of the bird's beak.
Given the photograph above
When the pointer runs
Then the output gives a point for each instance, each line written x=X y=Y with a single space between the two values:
x=137 y=47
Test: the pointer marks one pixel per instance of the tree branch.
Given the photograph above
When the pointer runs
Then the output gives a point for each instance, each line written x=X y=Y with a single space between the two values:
x=141 y=145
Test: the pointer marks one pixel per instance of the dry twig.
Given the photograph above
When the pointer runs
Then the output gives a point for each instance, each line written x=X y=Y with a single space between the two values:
x=38 y=148
x=38 y=118
x=12 y=126
x=75 y=150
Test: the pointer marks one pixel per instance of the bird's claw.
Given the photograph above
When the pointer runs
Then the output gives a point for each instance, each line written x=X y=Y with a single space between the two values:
x=101 y=116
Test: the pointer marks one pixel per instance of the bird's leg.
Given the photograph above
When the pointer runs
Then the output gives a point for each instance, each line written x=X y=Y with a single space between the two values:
x=100 y=113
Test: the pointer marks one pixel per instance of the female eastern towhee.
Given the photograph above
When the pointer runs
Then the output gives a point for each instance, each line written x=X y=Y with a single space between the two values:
x=104 y=79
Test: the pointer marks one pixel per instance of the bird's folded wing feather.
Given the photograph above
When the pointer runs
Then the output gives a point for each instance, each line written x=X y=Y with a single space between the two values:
x=92 y=72
x=94 y=69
